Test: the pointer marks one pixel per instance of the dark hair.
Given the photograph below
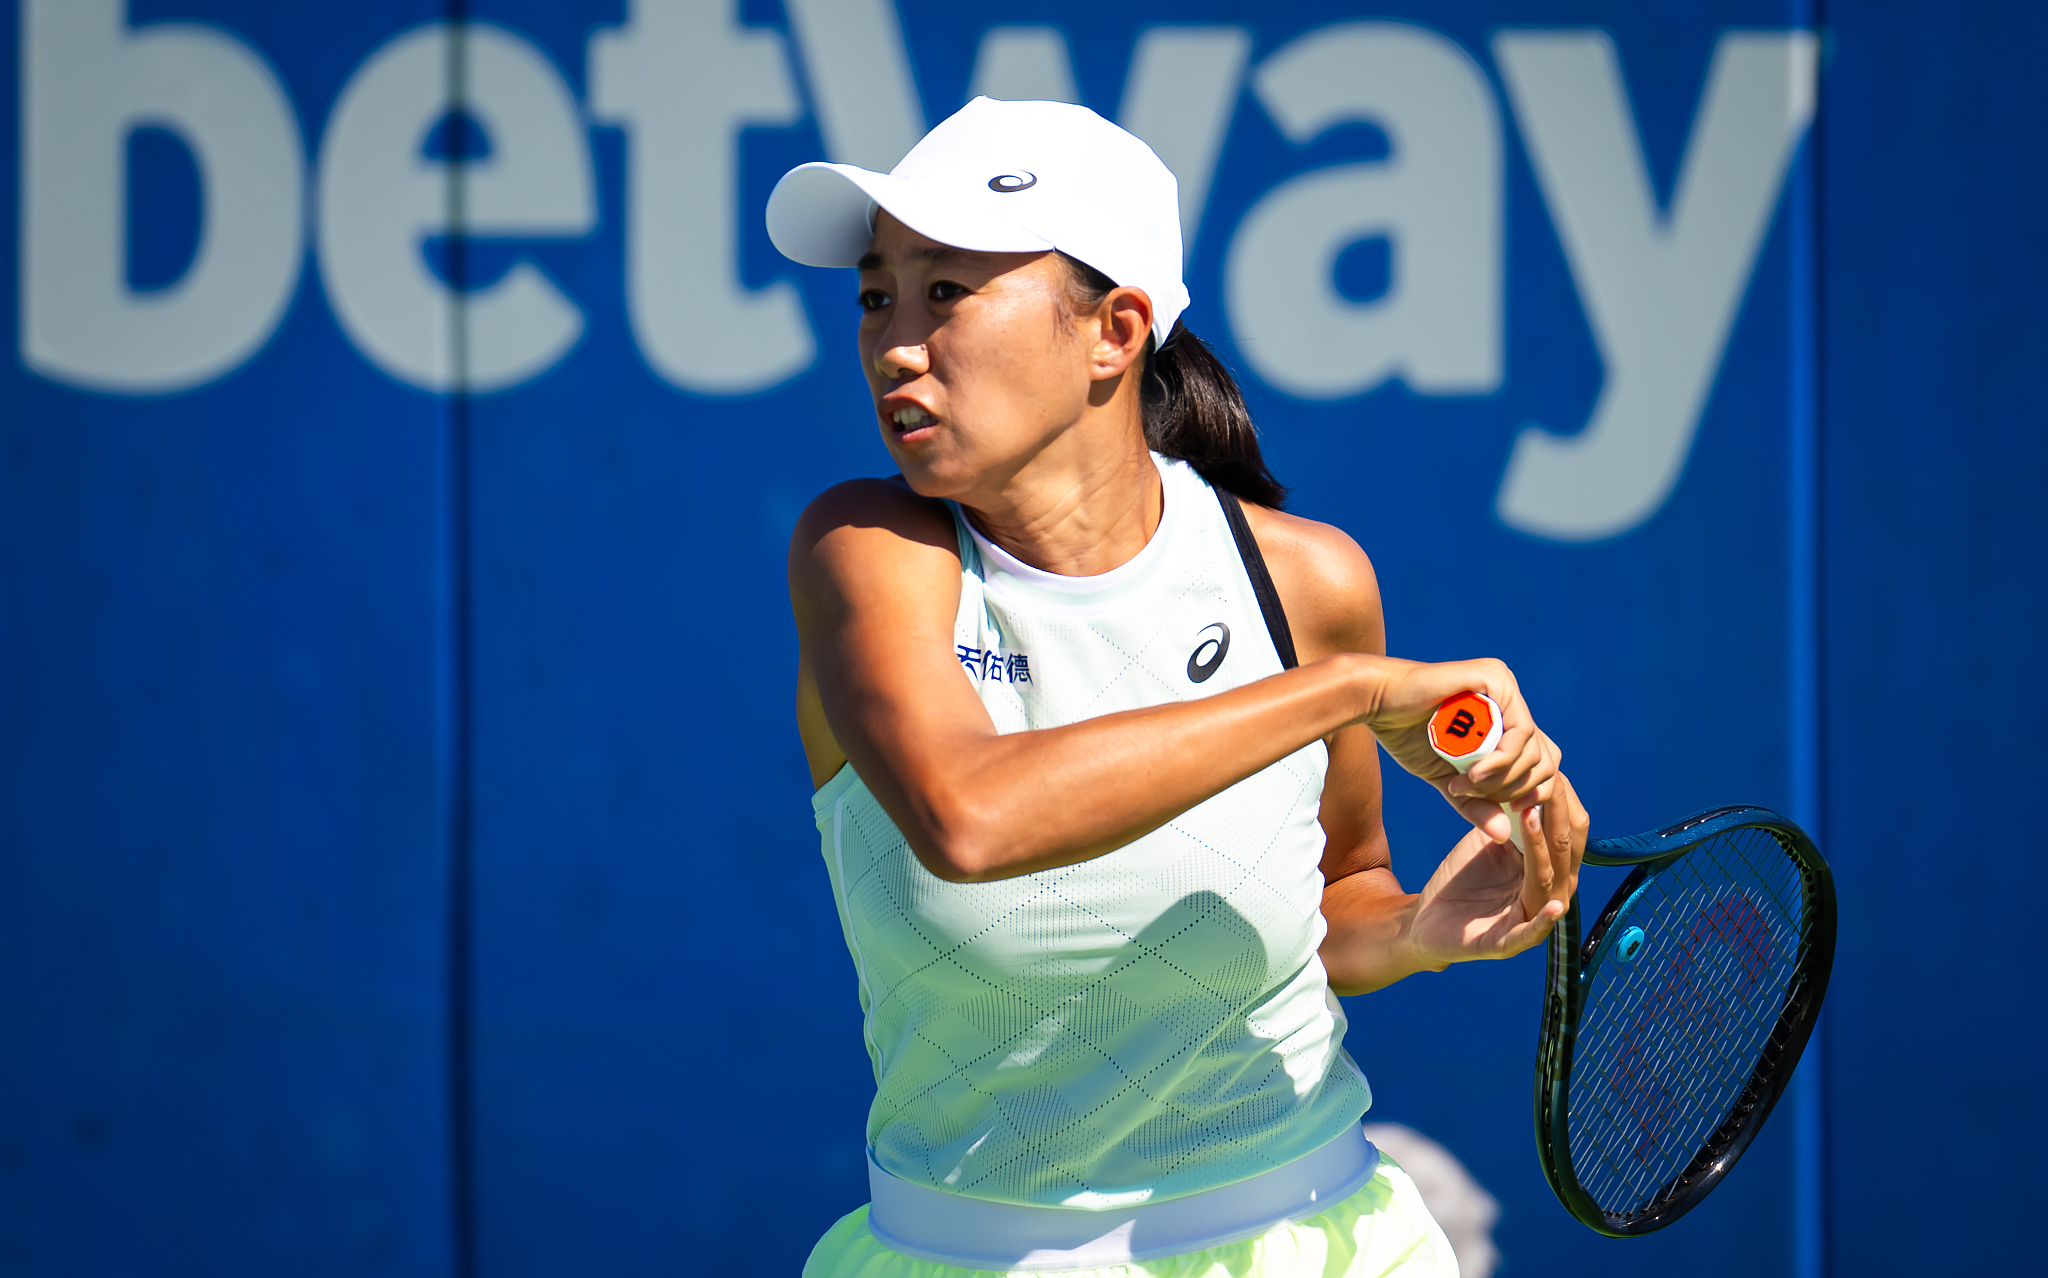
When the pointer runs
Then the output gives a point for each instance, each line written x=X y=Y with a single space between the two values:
x=1192 y=407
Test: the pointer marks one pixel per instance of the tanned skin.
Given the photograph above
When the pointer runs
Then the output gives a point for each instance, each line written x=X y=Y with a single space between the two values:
x=992 y=388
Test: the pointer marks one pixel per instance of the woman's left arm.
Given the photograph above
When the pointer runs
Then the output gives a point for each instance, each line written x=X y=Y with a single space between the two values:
x=1485 y=900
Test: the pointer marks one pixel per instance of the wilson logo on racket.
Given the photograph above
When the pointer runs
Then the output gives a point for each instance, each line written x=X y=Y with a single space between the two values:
x=1697 y=992
x=1461 y=725
x=1218 y=644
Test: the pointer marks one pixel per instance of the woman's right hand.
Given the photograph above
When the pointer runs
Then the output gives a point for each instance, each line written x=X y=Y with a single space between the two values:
x=1521 y=770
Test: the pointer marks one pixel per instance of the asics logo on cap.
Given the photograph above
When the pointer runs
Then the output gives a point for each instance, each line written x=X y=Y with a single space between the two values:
x=1010 y=183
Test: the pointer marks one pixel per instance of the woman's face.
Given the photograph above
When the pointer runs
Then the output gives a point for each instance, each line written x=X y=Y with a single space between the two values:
x=973 y=359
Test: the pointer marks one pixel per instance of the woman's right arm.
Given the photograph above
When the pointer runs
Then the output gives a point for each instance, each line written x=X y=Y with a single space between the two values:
x=874 y=578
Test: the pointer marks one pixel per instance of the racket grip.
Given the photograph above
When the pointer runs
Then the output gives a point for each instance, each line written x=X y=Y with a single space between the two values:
x=1465 y=729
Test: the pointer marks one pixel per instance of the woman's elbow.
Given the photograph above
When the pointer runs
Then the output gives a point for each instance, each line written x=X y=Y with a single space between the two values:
x=960 y=844
x=956 y=860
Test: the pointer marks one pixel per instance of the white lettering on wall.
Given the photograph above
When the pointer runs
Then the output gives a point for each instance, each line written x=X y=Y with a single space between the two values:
x=1179 y=96
x=1436 y=198
x=859 y=73
x=381 y=197
x=682 y=78
x=1660 y=289
x=88 y=81
x=1024 y=64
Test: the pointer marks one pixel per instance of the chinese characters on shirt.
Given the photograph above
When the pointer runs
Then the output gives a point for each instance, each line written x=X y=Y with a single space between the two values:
x=995 y=665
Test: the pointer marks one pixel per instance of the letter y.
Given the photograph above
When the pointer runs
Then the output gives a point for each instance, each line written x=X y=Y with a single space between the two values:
x=1660 y=289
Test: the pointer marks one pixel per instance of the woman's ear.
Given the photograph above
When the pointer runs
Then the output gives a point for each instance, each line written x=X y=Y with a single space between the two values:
x=1125 y=319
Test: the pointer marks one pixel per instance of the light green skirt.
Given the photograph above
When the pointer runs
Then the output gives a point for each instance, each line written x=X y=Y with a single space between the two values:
x=1381 y=1229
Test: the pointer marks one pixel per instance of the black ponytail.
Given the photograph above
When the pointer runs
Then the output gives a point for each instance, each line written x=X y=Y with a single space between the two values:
x=1194 y=411
x=1192 y=407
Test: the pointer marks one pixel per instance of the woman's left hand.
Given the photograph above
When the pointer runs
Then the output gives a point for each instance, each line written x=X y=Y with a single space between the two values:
x=1488 y=900
x=1519 y=769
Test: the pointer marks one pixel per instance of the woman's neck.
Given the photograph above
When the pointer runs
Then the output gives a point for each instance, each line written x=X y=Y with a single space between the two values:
x=1077 y=515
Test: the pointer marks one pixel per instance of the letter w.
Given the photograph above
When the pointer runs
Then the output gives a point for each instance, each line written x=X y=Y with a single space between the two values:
x=1660 y=289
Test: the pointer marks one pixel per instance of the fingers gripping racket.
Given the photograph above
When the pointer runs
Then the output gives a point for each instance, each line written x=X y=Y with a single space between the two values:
x=1671 y=1029
x=1465 y=729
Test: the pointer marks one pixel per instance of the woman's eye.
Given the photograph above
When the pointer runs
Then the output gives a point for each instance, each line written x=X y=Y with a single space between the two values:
x=946 y=291
x=873 y=299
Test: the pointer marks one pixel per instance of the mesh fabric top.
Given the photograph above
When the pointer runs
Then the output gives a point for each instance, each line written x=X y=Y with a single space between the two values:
x=1151 y=1023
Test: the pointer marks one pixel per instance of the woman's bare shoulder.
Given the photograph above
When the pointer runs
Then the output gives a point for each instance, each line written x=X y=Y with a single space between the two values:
x=1326 y=583
x=869 y=530
x=876 y=503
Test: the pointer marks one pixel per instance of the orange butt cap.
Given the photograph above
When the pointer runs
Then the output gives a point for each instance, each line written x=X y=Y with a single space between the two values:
x=1461 y=724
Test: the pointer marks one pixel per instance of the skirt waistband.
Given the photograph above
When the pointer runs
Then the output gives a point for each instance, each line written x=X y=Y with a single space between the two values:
x=974 y=1233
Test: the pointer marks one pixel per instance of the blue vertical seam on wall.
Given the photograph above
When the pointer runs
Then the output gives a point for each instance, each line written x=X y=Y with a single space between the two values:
x=458 y=692
x=1809 y=1206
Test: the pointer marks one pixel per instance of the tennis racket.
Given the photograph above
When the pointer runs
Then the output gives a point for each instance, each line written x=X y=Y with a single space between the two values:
x=1670 y=1031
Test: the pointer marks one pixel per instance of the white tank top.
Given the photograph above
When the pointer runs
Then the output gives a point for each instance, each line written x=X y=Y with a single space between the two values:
x=1145 y=1025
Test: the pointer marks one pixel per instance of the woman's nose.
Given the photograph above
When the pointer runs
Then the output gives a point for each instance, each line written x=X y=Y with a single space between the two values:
x=899 y=362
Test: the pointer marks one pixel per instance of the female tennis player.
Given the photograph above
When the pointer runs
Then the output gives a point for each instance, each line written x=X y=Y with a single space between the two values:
x=1093 y=727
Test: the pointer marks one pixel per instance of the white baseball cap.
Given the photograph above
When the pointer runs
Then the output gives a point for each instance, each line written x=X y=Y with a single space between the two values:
x=1004 y=177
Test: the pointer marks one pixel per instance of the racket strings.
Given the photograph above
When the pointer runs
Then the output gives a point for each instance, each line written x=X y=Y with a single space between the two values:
x=1688 y=1025
x=1668 y=1042
x=1726 y=949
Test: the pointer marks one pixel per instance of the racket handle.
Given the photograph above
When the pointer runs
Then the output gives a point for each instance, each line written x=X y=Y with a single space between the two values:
x=1465 y=729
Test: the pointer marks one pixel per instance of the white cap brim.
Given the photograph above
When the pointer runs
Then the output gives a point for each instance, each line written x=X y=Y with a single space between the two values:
x=819 y=215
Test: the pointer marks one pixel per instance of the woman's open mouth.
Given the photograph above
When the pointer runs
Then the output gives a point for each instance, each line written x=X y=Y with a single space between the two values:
x=911 y=422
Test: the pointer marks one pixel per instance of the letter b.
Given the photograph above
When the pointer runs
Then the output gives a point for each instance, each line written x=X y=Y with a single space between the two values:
x=88 y=79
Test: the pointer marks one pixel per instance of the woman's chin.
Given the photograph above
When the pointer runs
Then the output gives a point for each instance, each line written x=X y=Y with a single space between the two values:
x=927 y=475
x=925 y=463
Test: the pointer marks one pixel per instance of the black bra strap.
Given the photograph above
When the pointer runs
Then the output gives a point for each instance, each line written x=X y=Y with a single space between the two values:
x=1262 y=581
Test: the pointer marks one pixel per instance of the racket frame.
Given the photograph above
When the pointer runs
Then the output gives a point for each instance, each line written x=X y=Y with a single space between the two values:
x=1569 y=978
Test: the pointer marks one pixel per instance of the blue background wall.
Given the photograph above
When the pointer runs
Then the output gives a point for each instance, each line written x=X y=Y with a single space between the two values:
x=404 y=857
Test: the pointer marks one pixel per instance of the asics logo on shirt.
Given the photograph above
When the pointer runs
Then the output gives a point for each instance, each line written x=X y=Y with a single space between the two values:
x=1200 y=670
